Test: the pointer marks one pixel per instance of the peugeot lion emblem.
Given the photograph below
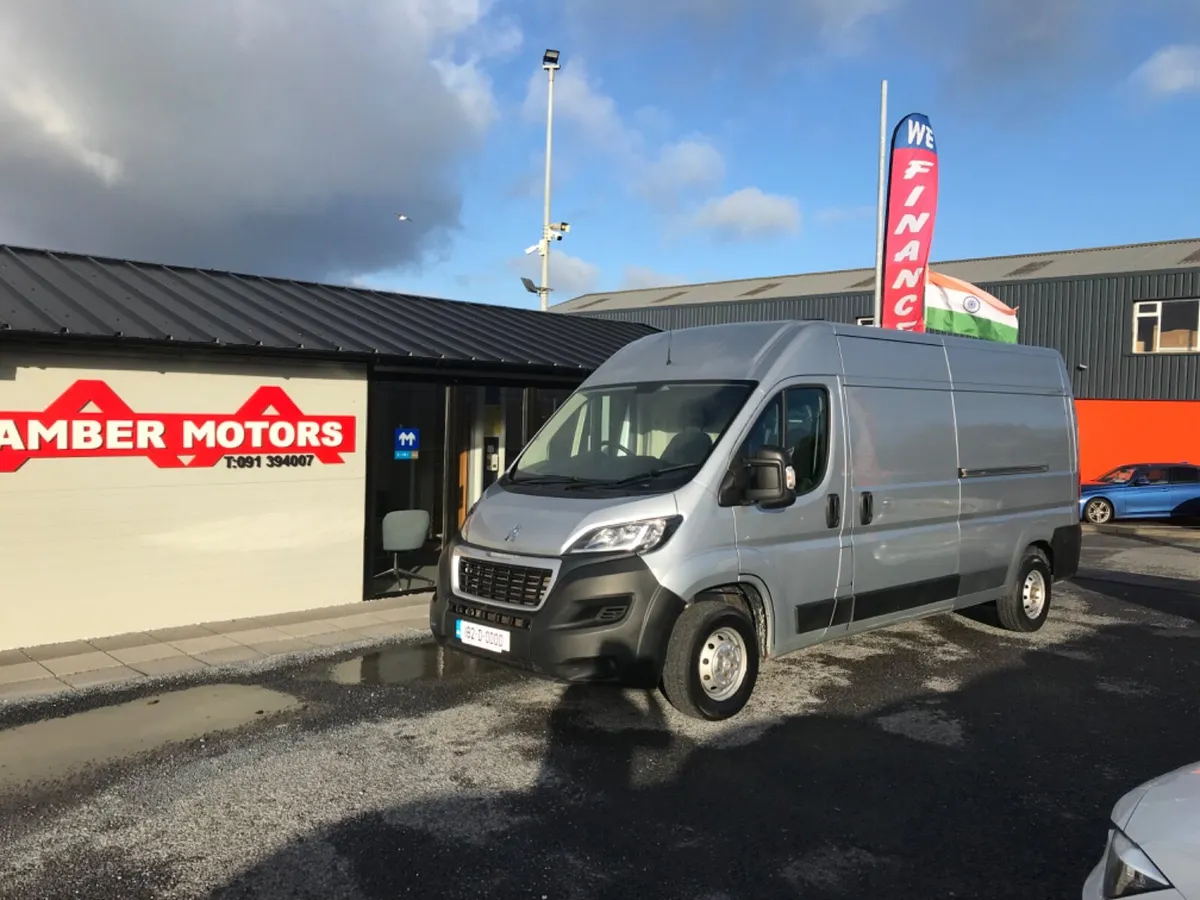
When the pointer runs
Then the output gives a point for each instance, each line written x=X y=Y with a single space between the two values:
x=512 y=533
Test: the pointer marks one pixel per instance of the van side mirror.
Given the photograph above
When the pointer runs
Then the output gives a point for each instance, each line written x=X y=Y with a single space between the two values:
x=771 y=480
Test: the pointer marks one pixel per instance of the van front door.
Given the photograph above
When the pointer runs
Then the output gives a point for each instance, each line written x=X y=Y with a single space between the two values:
x=801 y=552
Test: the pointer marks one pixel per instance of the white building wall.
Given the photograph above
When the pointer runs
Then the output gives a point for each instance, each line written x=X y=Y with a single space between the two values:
x=100 y=545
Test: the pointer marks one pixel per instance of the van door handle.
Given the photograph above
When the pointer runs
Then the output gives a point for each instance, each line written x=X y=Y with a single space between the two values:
x=833 y=511
x=868 y=508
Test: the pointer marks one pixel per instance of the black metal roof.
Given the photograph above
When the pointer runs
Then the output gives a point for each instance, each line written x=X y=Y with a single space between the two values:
x=67 y=296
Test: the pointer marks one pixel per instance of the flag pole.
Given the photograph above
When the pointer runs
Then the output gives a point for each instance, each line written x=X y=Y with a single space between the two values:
x=880 y=204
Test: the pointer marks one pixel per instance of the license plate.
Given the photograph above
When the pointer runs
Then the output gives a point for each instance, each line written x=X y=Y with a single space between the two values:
x=483 y=637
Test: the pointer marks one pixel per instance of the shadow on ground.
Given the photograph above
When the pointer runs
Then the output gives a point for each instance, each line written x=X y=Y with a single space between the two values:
x=1173 y=596
x=998 y=787
x=1178 y=534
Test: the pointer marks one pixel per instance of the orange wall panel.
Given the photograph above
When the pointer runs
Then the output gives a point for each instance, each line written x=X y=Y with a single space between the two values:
x=1116 y=432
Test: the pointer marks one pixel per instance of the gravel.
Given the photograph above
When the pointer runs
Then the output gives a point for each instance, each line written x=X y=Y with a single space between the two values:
x=938 y=757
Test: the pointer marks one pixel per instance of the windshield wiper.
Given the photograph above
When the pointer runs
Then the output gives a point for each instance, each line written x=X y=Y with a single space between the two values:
x=552 y=479
x=650 y=475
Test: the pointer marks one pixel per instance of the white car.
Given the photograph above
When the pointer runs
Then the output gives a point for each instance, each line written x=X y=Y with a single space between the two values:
x=1153 y=847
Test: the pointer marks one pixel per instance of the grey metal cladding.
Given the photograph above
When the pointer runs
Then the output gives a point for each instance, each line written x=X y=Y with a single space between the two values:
x=71 y=296
x=1089 y=320
x=1159 y=256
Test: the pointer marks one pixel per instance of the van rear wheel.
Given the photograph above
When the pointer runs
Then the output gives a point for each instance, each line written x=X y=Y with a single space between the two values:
x=1025 y=607
x=712 y=661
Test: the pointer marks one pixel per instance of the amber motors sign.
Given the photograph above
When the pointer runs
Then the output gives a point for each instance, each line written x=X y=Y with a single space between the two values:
x=90 y=420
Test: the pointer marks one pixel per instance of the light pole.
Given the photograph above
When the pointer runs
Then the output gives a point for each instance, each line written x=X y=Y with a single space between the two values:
x=881 y=204
x=550 y=64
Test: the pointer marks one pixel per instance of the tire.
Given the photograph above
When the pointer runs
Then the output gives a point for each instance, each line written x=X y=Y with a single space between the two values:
x=1025 y=607
x=701 y=628
x=1098 y=511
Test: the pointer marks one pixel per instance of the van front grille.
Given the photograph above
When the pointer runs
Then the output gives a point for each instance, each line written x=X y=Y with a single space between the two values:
x=502 y=583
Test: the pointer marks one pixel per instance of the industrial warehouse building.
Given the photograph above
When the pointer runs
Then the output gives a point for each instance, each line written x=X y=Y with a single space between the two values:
x=181 y=446
x=1126 y=319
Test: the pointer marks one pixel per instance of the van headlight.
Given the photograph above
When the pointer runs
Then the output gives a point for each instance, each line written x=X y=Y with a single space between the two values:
x=1128 y=871
x=628 y=537
x=466 y=523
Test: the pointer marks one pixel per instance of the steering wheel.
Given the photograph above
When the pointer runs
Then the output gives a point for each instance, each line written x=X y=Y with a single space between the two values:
x=604 y=443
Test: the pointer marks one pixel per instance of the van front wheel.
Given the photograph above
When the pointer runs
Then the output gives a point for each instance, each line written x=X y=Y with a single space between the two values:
x=712 y=661
x=1026 y=605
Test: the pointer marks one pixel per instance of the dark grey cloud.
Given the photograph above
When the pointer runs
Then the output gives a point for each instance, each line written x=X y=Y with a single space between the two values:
x=276 y=137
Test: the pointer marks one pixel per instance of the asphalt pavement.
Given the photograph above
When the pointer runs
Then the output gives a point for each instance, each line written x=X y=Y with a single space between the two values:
x=941 y=758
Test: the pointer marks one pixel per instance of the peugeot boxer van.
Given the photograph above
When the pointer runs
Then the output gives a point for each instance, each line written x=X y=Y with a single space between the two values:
x=717 y=496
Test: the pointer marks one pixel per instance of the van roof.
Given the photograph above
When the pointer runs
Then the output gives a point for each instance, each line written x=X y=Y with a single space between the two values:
x=766 y=351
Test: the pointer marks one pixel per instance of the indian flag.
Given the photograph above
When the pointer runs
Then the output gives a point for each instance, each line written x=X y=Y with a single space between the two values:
x=959 y=307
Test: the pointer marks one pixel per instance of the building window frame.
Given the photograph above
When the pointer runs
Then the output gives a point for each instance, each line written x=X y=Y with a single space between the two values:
x=1151 y=311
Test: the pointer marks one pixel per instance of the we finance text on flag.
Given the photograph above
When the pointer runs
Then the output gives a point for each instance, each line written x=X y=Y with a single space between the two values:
x=959 y=307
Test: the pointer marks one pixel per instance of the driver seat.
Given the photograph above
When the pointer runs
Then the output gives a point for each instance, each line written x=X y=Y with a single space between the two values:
x=689 y=446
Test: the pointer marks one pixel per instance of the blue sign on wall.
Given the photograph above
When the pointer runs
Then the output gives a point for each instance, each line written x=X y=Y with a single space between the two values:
x=408 y=442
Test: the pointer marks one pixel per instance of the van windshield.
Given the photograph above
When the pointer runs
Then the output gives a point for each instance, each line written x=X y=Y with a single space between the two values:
x=654 y=435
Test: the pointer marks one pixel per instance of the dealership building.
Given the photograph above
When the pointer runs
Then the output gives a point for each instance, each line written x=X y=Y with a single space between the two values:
x=1126 y=319
x=181 y=446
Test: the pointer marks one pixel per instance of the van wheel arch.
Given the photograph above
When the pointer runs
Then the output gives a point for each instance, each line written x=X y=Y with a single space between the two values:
x=748 y=599
x=1047 y=551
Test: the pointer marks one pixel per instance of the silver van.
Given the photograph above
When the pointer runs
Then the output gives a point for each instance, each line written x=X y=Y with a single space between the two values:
x=716 y=496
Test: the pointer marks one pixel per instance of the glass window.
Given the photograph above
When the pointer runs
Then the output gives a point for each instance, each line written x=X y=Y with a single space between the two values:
x=1166 y=326
x=1185 y=475
x=806 y=440
x=620 y=432
x=1121 y=475
x=1155 y=475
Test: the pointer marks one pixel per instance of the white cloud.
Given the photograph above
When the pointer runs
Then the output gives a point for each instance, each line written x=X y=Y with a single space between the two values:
x=569 y=275
x=473 y=88
x=277 y=137
x=1172 y=70
x=638 y=277
x=748 y=213
x=580 y=100
x=690 y=163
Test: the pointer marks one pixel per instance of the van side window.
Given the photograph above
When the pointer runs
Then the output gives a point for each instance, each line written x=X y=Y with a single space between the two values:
x=807 y=440
x=805 y=437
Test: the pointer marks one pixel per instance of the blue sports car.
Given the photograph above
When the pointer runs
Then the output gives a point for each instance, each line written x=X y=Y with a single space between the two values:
x=1142 y=491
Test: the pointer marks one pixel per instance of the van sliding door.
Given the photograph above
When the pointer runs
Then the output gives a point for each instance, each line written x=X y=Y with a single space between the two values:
x=904 y=499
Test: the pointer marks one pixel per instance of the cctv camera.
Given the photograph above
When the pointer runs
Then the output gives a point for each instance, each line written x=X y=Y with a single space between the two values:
x=564 y=227
x=558 y=237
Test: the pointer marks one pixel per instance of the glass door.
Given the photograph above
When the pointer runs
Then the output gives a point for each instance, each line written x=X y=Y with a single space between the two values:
x=406 y=437
x=488 y=434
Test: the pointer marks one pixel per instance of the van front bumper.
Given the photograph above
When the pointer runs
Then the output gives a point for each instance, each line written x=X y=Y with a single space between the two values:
x=605 y=618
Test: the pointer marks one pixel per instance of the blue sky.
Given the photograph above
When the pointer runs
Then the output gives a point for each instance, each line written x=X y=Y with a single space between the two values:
x=1060 y=125
x=694 y=139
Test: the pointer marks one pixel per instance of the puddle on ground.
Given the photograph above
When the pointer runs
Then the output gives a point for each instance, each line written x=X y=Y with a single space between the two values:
x=54 y=748
x=406 y=664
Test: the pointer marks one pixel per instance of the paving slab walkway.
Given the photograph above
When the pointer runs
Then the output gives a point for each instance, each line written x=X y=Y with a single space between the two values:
x=54 y=669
